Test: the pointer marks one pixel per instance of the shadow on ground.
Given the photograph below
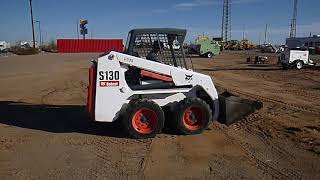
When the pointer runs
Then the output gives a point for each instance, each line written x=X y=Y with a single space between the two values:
x=55 y=118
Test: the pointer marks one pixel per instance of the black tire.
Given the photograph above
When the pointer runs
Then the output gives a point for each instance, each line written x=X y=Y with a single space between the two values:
x=209 y=55
x=298 y=65
x=143 y=119
x=186 y=110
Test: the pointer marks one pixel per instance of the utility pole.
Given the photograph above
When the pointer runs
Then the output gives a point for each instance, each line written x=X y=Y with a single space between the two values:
x=40 y=36
x=244 y=32
x=260 y=39
x=78 y=29
x=266 y=35
x=32 y=22
x=293 y=30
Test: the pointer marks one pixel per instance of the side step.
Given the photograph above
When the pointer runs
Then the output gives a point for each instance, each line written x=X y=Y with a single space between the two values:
x=234 y=108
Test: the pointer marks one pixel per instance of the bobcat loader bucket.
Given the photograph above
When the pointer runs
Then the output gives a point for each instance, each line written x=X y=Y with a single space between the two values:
x=234 y=108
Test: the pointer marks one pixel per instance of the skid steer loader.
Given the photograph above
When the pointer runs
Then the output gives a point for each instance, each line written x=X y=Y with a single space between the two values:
x=136 y=86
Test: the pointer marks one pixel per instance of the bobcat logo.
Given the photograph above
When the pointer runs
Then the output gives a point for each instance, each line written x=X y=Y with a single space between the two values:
x=188 y=77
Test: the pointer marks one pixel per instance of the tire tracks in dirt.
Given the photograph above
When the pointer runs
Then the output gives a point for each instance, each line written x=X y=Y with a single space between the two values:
x=122 y=158
x=69 y=87
x=299 y=92
x=252 y=125
x=256 y=120
x=260 y=127
x=6 y=169
x=258 y=117
x=265 y=167
x=290 y=87
x=271 y=100
x=47 y=93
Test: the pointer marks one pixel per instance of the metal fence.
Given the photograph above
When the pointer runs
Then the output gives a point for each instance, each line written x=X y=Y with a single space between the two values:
x=89 y=45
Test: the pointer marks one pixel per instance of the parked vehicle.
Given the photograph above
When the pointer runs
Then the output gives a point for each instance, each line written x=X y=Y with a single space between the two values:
x=205 y=47
x=296 y=59
x=268 y=48
x=231 y=45
x=260 y=59
x=245 y=45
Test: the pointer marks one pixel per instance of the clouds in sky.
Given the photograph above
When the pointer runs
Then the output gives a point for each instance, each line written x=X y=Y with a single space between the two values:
x=196 y=3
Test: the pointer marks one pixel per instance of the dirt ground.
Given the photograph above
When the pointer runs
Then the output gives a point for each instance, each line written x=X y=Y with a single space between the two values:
x=44 y=132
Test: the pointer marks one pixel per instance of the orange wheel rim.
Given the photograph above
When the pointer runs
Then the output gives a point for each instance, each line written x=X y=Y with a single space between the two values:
x=194 y=118
x=145 y=121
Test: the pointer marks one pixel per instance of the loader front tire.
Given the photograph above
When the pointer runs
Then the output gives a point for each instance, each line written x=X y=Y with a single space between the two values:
x=143 y=119
x=192 y=116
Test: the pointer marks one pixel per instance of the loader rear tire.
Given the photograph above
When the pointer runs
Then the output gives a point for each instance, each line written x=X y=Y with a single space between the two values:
x=143 y=119
x=192 y=116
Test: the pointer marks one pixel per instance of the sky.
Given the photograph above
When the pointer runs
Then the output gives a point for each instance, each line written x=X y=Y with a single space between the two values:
x=114 y=18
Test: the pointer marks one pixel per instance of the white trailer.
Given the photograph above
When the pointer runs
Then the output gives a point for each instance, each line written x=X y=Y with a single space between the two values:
x=295 y=59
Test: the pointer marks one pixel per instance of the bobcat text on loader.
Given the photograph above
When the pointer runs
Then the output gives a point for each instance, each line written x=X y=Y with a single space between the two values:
x=136 y=86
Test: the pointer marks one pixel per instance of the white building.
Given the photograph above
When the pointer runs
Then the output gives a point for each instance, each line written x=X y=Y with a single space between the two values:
x=304 y=42
x=4 y=46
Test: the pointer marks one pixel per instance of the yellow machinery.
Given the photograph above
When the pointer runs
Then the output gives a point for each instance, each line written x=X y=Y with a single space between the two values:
x=245 y=45
x=239 y=45
x=231 y=45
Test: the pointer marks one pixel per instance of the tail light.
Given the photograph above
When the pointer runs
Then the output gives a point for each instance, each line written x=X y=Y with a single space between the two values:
x=92 y=90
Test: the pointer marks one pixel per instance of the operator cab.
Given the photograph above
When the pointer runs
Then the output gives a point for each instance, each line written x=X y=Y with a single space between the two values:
x=163 y=45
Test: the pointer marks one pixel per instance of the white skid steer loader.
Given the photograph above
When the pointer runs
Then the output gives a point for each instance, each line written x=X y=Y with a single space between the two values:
x=135 y=86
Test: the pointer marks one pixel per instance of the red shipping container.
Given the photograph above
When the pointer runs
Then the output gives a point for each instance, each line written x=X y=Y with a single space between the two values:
x=89 y=45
